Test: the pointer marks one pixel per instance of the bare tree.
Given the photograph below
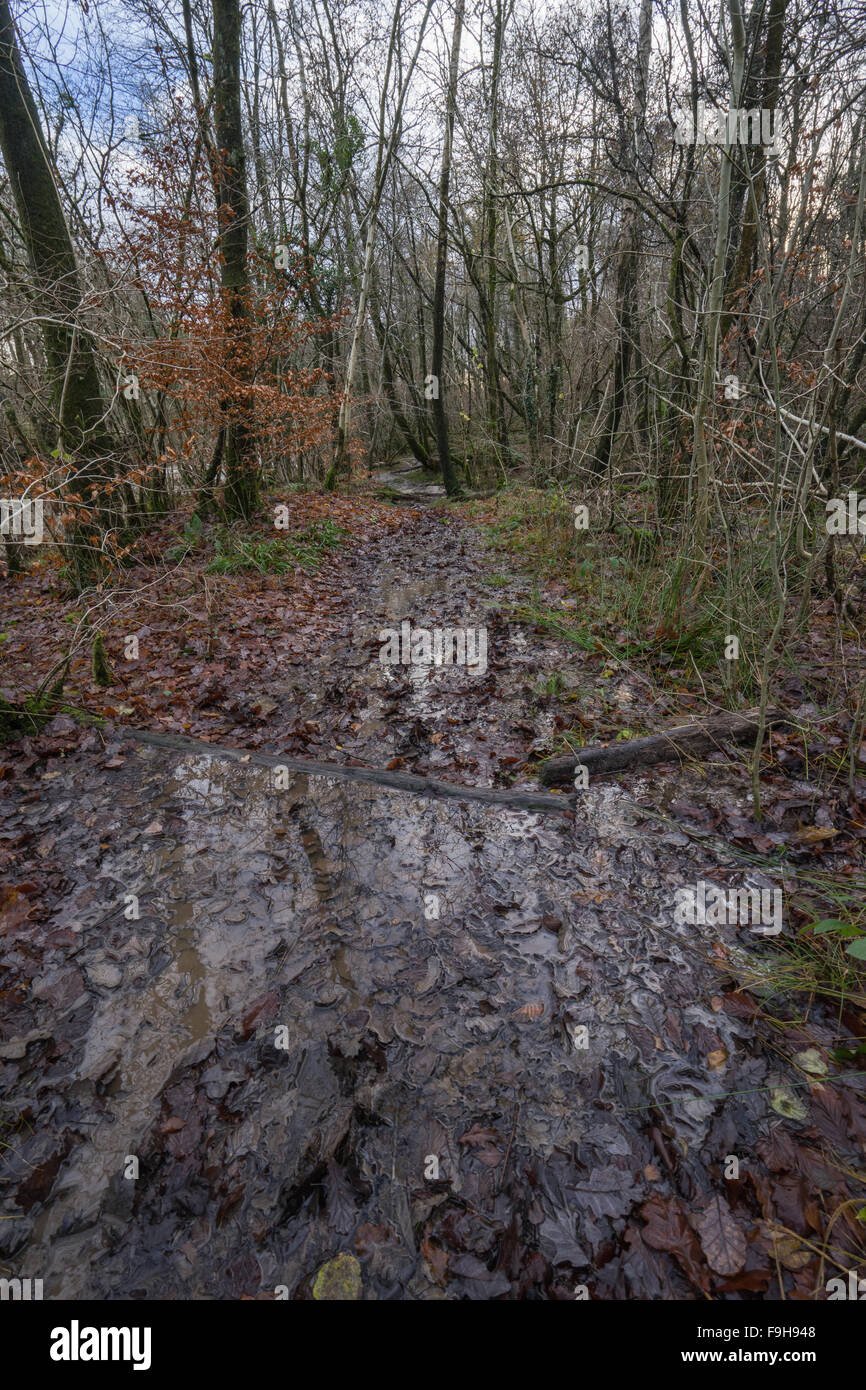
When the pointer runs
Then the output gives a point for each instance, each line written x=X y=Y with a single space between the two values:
x=241 y=470
x=449 y=477
x=385 y=149
x=72 y=376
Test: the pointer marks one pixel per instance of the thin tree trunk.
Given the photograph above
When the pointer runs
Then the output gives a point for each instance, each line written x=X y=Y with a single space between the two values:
x=495 y=414
x=440 y=418
x=626 y=272
x=73 y=379
x=384 y=155
x=241 y=490
x=712 y=319
x=746 y=249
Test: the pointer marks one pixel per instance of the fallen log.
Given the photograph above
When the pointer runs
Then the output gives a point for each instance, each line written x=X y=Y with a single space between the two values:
x=400 y=781
x=683 y=741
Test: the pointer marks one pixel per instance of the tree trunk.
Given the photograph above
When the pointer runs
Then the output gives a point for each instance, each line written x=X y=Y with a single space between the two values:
x=241 y=490
x=73 y=380
x=626 y=271
x=671 y=745
x=757 y=176
x=384 y=155
x=700 y=455
x=495 y=416
x=440 y=418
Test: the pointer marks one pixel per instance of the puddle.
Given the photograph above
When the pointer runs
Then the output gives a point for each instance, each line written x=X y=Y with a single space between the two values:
x=333 y=992
x=469 y=1044
x=411 y=480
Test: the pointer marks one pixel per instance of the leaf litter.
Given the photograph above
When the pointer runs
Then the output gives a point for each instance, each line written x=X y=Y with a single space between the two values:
x=326 y=1092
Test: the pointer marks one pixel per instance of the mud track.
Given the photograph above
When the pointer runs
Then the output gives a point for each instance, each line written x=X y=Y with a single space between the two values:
x=469 y=1044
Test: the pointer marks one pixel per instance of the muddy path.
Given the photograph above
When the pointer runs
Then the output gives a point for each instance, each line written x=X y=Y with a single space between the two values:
x=250 y=1027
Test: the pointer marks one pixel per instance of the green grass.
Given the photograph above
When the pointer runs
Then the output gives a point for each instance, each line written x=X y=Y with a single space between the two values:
x=29 y=716
x=823 y=958
x=828 y=955
x=236 y=554
x=632 y=589
x=553 y=622
x=810 y=966
x=553 y=685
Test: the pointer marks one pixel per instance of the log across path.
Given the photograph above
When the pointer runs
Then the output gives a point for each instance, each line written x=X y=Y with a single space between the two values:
x=683 y=741
x=400 y=781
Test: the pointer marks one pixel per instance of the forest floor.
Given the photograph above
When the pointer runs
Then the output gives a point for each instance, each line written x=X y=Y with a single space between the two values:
x=247 y=1030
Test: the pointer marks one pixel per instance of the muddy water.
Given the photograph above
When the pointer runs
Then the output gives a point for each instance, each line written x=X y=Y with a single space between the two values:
x=353 y=1018
x=410 y=480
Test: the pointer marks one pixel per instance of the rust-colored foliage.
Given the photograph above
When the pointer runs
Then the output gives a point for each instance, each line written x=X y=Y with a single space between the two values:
x=180 y=373
x=203 y=375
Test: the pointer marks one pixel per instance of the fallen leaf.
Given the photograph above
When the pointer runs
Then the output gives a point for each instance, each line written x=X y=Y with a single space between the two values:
x=263 y=706
x=558 y=1234
x=667 y=1229
x=477 y=1135
x=437 y=1259
x=261 y=1009
x=811 y=1061
x=814 y=834
x=784 y=1102
x=792 y=1253
x=338 y=1281
x=531 y=1011
x=722 y=1239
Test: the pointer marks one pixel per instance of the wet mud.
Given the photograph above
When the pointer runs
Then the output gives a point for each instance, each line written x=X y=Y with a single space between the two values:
x=469 y=1046
x=246 y=1029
